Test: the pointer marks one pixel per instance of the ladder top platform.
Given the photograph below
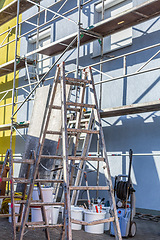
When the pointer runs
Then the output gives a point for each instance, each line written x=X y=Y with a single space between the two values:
x=8 y=67
x=131 y=109
x=129 y=18
x=10 y=11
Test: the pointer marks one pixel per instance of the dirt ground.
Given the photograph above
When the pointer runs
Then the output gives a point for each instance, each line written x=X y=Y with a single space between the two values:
x=146 y=230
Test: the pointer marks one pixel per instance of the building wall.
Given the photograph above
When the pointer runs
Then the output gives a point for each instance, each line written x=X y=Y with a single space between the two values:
x=138 y=132
x=7 y=53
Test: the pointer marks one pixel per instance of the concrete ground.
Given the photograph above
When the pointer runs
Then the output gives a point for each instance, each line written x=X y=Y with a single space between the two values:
x=146 y=230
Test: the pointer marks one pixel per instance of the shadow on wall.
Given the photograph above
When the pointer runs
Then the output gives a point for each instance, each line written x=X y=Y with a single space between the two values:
x=141 y=135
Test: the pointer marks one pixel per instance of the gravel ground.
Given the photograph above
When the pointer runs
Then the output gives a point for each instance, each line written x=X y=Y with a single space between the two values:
x=147 y=230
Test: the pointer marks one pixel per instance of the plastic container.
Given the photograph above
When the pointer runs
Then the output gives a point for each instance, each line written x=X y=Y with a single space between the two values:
x=36 y=214
x=77 y=214
x=17 y=206
x=90 y=216
x=106 y=225
x=54 y=213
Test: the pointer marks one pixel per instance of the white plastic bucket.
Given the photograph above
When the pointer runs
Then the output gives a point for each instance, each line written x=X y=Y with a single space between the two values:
x=90 y=216
x=76 y=214
x=36 y=215
x=17 y=206
x=54 y=213
x=106 y=225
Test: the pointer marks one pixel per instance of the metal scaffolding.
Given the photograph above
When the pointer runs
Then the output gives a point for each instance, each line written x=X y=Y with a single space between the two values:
x=83 y=36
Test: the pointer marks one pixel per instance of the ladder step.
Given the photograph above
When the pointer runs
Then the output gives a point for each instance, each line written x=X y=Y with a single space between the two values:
x=81 y=105
x=8 y=215
x=9 y=196
x=40 y=203
x=18 y=224
x=44 y=226
x=51 y=157
x=86 y=158
x=68 y=108
x=74 y=130
x=54 y=132
x=29 y=161
x=24 y=201
x=23 y=180
x=78 y=80
x=46 y=204
x=89 y=188
x=111 y=219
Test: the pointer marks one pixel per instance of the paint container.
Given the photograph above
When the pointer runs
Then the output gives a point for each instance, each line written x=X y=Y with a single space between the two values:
x=76 y=214
x=90 y=216
x=17 y=206
x=106 y=225
x=36 y=213
x=54 y=213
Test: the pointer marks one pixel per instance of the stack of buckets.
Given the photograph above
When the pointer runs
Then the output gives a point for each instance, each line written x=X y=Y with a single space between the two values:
x=52 y=212
x=89 y=216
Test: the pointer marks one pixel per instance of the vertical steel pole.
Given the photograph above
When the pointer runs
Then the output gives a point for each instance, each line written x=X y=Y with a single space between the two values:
x=14 y=79
x=100 y=96
x=78 y=43
x=37 y=40
x=101 y=64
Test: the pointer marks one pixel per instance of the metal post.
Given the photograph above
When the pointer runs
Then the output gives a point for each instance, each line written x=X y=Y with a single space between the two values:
x=78 y=43
x=14 y=79
x=101 y=62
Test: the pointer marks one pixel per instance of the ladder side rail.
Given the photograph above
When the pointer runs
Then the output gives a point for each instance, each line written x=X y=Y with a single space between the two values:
x=4 y=164
x=85 y=150
x=24 y=190
x=77 y=126
x=26 y=211
x=36 y=71
x=59 y=173
x=67 y=213
x=44 y=215
x=106 y=163
x=12 y=195
x=84 y=166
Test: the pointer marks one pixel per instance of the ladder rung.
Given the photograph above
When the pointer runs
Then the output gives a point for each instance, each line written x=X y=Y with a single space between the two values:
x=89 y=188
x=111 y=219
x=51 y=157
x=44 y=226
x=86 y=158
x=8 y=215
x=46 y=204
x=18 y=224
x=68 y=108
x=77 y=80
x=29 y=161
x=80 y=105
x=23 y=180
x=24 y=201
x=16 y=196
x=54 y=132
x=74 y=130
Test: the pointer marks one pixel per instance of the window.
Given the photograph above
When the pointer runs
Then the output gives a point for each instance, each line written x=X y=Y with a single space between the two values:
x=117 y=40
x=44 y=39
